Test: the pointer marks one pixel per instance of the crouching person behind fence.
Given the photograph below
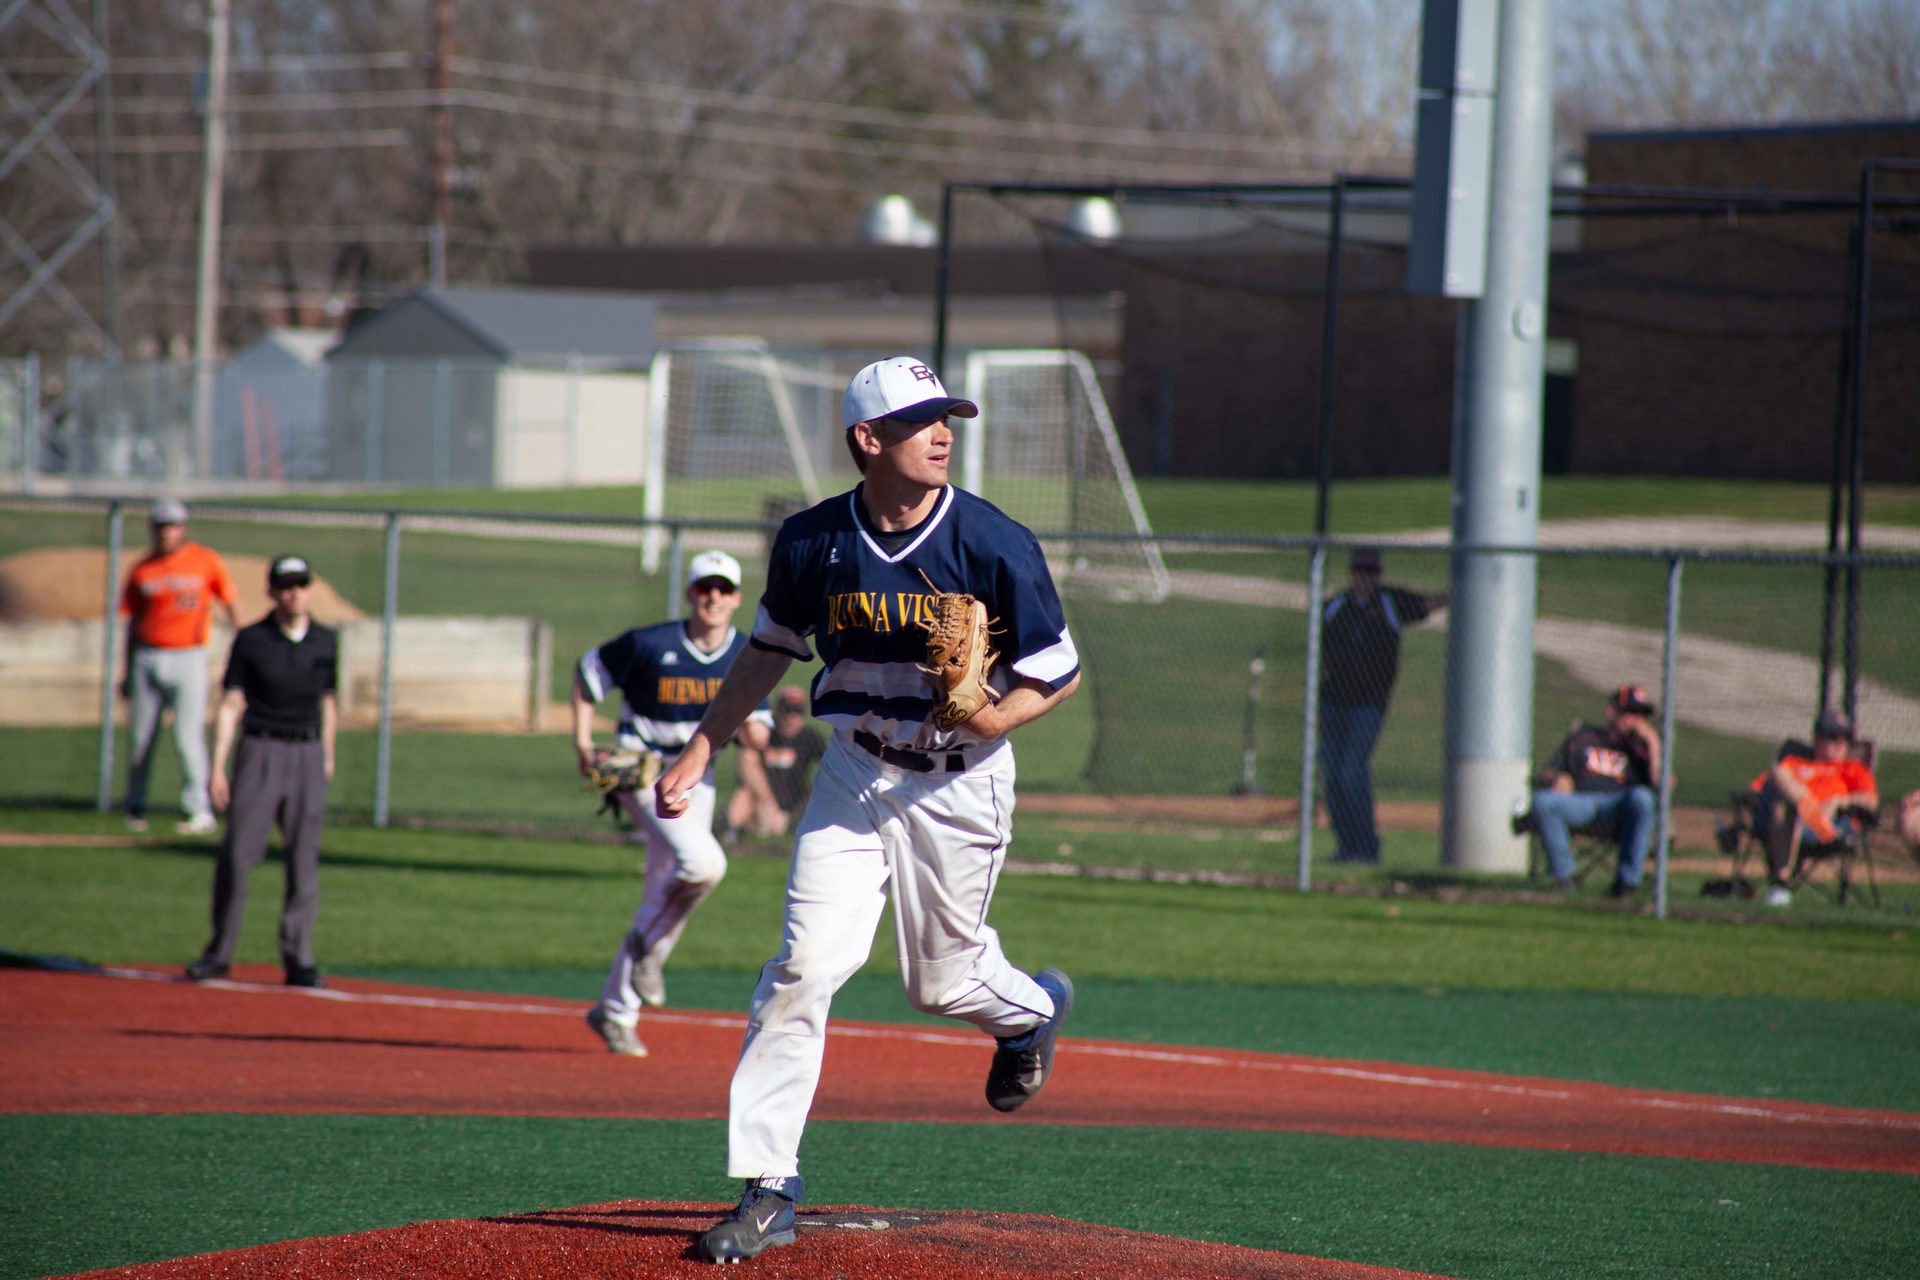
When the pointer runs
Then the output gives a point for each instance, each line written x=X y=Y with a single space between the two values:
x=1603 y=776
x=279 y=695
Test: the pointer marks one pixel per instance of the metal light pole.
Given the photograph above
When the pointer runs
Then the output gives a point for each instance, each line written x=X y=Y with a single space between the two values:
x=206 y=307
x=1496 y=469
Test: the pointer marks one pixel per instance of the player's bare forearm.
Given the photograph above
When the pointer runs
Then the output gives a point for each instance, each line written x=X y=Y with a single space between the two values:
x=226 y=722
x=753 y=735
x=582 y=724
x=1023 y=704
x=751 y=678
x=329 y=727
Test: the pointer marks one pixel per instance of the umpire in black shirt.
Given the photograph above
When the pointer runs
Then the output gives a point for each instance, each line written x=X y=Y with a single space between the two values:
x=279 y=695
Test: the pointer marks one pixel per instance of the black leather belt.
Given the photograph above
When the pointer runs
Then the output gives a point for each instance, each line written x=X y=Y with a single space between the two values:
x=286 y=735
x=913 y=761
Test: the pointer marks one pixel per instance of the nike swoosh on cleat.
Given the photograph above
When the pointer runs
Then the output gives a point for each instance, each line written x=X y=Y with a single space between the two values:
x=761 y=1223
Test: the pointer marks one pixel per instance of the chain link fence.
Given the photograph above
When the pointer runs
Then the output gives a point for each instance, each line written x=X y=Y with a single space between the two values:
x=1186 y=752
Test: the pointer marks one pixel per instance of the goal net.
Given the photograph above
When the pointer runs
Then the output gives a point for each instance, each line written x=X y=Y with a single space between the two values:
x=738 y=432
x=1044 y=450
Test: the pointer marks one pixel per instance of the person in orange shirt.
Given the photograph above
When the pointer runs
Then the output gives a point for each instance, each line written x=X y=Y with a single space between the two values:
x=1802 y=798
x=168 y=601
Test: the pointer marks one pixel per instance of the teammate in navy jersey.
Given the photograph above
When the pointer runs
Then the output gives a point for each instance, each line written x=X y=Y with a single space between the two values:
x=899 y=808
x=667 y=675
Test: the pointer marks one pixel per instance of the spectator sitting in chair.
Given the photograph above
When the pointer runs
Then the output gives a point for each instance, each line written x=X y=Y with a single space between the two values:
x=1603 y=776
x=774 y=782
x=1802 y=798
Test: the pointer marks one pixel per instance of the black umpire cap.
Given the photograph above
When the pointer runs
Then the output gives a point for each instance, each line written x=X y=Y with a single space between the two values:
x=289 y=571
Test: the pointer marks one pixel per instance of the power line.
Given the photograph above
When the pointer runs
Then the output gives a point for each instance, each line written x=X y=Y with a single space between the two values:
x=291 y=140
x=838 y=113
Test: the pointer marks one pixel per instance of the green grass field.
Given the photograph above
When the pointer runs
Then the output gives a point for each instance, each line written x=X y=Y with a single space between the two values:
x=1826 y=1012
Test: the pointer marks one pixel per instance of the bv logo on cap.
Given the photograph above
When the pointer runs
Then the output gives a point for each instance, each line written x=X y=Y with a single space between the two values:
x=903 y=388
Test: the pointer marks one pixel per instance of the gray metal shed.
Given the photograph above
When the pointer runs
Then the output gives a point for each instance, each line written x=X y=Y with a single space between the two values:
x=494 y=386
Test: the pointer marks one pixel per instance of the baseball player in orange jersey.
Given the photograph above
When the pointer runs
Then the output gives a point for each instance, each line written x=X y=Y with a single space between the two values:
x=168 y=599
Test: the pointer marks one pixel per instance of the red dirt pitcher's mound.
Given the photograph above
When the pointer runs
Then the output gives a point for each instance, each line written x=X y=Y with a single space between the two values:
x=638 y=1239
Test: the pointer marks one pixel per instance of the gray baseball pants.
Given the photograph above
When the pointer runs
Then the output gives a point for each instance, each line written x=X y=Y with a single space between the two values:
x=274 y=781
x=164 y=678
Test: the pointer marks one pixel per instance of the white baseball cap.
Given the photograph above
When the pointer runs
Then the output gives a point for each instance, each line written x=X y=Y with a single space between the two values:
x=903 y=388
x=168 y=511
x=713 y=564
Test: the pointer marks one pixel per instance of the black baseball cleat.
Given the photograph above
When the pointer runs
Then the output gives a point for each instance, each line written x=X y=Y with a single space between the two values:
x=304 y=975
x=763 y=1219
x=203 y=969
x=1022 y=1063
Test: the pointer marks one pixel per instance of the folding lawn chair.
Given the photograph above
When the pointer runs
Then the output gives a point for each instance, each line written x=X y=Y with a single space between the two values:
x=1595 y=845
x=1740 y=840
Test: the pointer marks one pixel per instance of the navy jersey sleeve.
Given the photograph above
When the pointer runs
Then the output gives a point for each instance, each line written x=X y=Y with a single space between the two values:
x=785 y=620
x=605 y=669
x=1410 y=605
x=1035 y=644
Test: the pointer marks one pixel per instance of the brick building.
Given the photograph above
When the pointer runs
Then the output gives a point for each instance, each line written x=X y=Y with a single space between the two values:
x=1699 y=344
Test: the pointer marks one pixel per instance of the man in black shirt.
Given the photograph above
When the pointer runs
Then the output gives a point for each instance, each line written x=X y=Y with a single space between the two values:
x=774 y=783
x=1360 y=657
x=1603 y=776
x=279 y=695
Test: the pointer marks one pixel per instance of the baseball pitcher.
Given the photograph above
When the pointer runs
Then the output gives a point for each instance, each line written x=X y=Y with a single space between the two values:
x=939 y=631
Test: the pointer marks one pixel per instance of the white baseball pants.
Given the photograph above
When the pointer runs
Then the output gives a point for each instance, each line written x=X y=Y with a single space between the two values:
x=684 y=864
x=936 y=842
x=164 y=678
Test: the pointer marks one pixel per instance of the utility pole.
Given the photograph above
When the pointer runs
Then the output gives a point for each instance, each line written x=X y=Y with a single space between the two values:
x=442 y=144
x=1496 y=468
x=103 y=170
x=206 y=310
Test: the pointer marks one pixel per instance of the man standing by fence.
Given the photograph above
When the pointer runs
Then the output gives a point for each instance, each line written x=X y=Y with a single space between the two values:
x=168 y=598
x=1360 y=641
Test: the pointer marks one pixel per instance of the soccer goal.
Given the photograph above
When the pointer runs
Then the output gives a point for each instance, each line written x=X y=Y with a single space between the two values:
x=1044 y=451
x=736 y=432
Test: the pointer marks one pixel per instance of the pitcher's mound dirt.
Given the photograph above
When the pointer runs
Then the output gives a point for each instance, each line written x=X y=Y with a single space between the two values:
x=64 y=583
x=641 y=1239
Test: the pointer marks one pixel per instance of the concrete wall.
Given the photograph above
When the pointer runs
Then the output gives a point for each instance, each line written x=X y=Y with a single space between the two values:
x=471 y=673
x=556 y=427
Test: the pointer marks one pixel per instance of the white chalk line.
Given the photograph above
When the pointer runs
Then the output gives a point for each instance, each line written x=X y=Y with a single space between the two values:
x=1110 y=1051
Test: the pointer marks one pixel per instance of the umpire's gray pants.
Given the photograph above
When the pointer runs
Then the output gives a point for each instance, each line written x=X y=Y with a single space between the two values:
x=163 y=678
x=273 y=781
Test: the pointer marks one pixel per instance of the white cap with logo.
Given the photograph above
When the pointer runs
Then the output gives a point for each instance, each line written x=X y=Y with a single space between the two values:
x=713 y=564
x=903 y=388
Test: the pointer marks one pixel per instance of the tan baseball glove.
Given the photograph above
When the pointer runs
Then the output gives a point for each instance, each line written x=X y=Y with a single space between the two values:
x=623 y=771
x=960 y=656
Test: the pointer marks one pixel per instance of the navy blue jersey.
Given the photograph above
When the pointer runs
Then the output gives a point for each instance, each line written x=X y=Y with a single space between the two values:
x=667 y=683
x=830 y=579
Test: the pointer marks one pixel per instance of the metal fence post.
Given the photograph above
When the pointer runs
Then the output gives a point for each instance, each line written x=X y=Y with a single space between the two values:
x=30 y=424
x=1662 y=832
x=109 y=650
x=389 y=623
x=675 y=549
x=1310 y=717
x=442 y=422
x=1249 y=784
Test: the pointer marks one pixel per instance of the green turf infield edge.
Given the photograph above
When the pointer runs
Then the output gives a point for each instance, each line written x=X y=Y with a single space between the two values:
x=1854 y=1053
x=89 y=1191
